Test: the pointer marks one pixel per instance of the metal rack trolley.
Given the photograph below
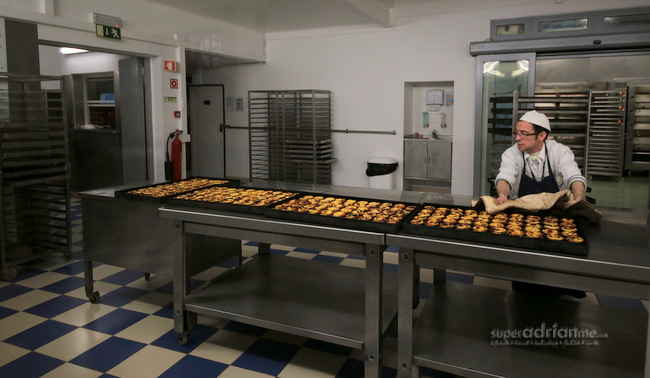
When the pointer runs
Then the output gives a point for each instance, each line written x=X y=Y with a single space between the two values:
x=290 y=135
x=453 y=331
x=34 y=171
x=606 y=133
x=338 y=304
x=637 y=141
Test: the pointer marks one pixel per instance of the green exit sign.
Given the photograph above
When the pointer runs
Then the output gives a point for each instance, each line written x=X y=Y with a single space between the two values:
x=110 y=32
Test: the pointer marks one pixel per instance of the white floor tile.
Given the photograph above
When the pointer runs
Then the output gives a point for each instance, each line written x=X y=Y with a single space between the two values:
x=84 y=314
x=150 y=361
x=355 y=263
x=71 y=370
x=150 y=302
x=492 y=282
x=10 y=352
x=301 y=255
x=18 y=322
x=148 y=329
x=224 y=346
x=28 y=299
x=102 y=287
x=313 y=364
x=73 y=344
x=43 y=279
x=235 y=372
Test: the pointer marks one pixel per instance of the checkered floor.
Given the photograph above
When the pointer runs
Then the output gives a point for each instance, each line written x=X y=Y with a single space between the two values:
x=48 y=327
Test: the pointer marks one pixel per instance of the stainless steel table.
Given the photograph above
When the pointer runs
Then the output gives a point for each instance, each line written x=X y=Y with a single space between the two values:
x=461 y=327
x=338 y=304
x=129 y=234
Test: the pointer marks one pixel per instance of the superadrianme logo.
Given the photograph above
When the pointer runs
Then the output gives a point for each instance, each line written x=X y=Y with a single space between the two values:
x=547 y=336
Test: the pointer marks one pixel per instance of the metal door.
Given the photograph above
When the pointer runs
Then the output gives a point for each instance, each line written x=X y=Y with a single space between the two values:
x=207 y=133
x=439 y=153
x=133 y=119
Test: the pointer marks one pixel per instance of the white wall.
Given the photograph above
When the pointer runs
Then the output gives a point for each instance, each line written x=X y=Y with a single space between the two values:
x=366 y=71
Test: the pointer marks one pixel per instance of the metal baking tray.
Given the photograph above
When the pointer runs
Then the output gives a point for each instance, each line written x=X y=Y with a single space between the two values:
x=231 y=207
x=330 y=220
x=126 y=193
x=542 y=244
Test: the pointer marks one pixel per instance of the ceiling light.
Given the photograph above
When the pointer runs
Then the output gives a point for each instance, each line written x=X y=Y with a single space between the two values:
x=70 y=50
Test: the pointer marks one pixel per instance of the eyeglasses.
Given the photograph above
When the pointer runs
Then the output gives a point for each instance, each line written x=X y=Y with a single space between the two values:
x=522 y=134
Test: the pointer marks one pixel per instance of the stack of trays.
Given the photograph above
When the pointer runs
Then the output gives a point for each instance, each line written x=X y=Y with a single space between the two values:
x=539 y=231
x=348 y=212
x=160 y=192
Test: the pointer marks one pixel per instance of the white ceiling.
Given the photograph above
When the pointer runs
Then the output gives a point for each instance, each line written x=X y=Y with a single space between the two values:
x=286 y=15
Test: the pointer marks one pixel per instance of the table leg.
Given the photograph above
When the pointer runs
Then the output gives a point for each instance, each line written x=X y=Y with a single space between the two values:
x=373 y=332
x=93 y=296
x=183 y=320
x=647 y=348
x=406 y=292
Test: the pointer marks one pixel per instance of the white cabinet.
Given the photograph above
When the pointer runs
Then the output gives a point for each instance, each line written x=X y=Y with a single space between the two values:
x=427 y=159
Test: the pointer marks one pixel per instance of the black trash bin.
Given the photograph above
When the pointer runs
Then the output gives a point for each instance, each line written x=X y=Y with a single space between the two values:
x=380 y=170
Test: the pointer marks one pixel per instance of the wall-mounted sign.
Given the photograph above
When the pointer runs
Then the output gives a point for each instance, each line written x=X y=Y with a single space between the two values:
x=173 y=83
x=177 y=114
x=169 y=99
x=170 y=65
x=110 y=32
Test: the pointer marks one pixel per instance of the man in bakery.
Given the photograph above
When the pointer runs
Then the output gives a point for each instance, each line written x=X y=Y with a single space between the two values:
x=536 y=165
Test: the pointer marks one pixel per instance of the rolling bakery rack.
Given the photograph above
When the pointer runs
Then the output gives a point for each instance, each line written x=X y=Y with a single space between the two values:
x=34 y=171
x=290 y=135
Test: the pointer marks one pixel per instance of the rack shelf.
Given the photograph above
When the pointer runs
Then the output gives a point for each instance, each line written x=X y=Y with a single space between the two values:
x=290 y=135
x=34 y=171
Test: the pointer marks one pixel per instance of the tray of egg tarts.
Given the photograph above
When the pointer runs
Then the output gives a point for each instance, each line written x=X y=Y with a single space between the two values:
x=157 y=193
x=348 y=212
x=234 y=199
x=540 y=231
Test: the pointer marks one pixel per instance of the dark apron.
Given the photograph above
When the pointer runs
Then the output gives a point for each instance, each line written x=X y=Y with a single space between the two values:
x=529 y=185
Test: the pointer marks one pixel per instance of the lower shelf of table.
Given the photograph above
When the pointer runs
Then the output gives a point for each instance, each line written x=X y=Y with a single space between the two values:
x=307 y=298
x=462 y=330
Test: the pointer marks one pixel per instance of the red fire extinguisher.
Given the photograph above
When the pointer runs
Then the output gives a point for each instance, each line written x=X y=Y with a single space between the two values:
x=173 y=167
x=177 y=148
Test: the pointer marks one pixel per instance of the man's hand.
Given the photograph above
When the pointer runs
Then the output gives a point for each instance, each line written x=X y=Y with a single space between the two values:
x=578 y=190
x=503 y=191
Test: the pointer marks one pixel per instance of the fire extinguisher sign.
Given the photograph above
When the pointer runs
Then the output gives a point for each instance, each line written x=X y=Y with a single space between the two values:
x=173 y=83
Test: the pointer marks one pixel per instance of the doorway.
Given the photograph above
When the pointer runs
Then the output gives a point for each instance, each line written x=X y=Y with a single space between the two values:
x=566 y=75
x=206 y=127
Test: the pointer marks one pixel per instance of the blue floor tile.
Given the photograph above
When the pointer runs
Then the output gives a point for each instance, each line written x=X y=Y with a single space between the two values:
x=71 y=269
x=122 y=296
x=40 y=334
x=30 y=365
x=108 y=354
x=624 y=303
x=459 y=277
x=166 y=312
x=195 y=367
x=351 y=369
x=196 y=337
x=27 y=273
x=11 y=291
x=115 y=321
x=267 y=356
x=55 y=306
x=66 y=285
x=4 y=312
